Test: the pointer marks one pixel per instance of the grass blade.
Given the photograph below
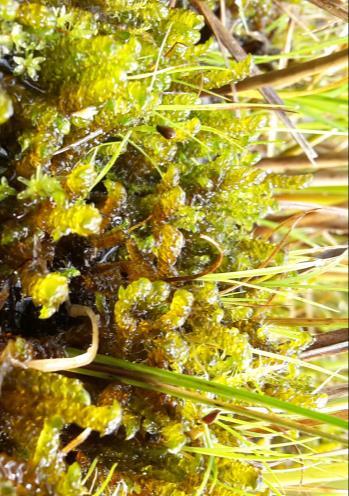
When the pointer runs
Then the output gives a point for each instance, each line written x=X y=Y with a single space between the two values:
x=198 y=384
x=112 y=160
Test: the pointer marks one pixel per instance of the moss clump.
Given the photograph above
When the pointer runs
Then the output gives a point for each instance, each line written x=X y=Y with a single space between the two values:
x=120 y=189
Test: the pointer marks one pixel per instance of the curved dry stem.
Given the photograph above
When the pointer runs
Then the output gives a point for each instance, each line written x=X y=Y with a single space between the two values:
x=139 y=224
x=212 y=268
x=68 y=363
x=74 y=443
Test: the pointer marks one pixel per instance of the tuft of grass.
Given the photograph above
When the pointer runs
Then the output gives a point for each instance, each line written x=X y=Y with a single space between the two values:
x=163 y=380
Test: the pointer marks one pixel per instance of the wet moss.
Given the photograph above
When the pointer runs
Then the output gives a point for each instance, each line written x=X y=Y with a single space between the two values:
x=124 y=230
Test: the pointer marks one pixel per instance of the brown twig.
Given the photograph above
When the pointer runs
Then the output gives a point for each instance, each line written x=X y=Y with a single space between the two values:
x=291 y=74
x=336 y=391
x=330 y=177
x=343 y=414
x=334 y=7
x=327 y=343
x=225 y=38
x=329 y=338
x=281 y=164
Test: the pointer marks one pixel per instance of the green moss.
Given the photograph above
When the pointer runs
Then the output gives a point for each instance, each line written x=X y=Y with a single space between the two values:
x=49 y=292
x=119 y=189
x=6 y=108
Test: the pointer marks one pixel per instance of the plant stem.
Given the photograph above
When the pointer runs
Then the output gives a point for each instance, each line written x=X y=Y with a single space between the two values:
x=329 y=338
x=334 y=7
x=327 y=343
x=305 y=322
x=231 y=44
x=291 y=74
x=300 y=162
x=145 y=382
x=150 y=375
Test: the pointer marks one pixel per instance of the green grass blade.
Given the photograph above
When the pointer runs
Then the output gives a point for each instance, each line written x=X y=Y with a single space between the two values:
x=105 y=483
x=285 y=294
x=222 y=106
x=280 y=269
x=313 y=475
x=185 y=381
x=199 y=398
x=112 y=160
x=300 y=363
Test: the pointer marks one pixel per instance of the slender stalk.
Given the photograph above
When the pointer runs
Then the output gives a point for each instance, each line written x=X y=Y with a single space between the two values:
x=332 y=350
x=79 y=142
x=300 y=162
x=77 y=441
x=334 y=7
x=327 y=343
x=297 y=361
x=329 y=338
x=112 y=160
x=80 y=360
x=231 y=44
x=307 y=322
x=152 y=374
x=291 y=74
x=337 y=391
x=314 y=475
x=144 y=382
x=333 y=220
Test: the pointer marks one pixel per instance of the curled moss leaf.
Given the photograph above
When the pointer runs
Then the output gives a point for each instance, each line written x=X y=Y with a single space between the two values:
x=36 y=394
x=171 y=242
x=81 y=179
x=48 y=292
x=169 y=203
x=179 y=311
x=80 y=219
x=137 y=296
x=173 y=437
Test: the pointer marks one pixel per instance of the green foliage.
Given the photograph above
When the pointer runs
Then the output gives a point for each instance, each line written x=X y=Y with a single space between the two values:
x=173 y=437
x=80 y=218
x=81 y=179
x=42 y=186
x=39 y=405
x=46 y=468
x=6 y=109
x=36 y=395
x=49 y=292
x=170 y=242
x=238 y=474
x=5 y=189
x=212 y=79
x=124 y=173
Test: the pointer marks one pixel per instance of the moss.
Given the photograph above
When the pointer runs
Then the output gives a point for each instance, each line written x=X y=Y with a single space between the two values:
x=181 y=194
x=6 y=108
